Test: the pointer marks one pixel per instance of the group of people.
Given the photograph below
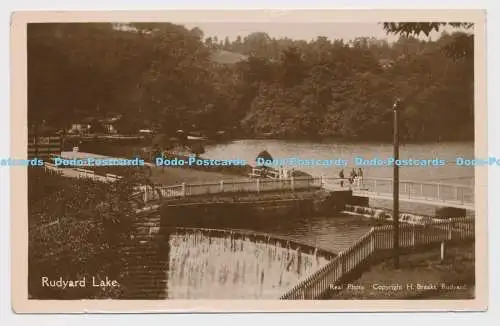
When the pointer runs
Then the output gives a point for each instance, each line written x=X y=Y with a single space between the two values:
x=354 y=177
x=285 y=173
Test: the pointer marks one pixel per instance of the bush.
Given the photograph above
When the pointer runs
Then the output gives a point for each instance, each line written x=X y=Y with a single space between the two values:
x=76 y=229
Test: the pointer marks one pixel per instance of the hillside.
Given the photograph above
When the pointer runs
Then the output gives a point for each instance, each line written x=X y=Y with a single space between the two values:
x=160 y=76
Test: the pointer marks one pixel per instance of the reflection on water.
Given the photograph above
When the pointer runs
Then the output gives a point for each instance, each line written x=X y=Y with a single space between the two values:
x=202 y=266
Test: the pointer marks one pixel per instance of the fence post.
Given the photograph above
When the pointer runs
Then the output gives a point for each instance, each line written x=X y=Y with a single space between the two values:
x=222 y=186
x=450 y=221
x=342 y=261
x=145 y=194
x=183 y=191
x=422 y=190
x=413 y=236
x=257 y=183
x=292 y=182
x=372 y=241
x=438 y=188
x=375 y=186
x=443 y=250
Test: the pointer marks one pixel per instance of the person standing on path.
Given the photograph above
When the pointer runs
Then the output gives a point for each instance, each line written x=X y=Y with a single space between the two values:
x=360 y=177
x=353 y=176
x=341 y=177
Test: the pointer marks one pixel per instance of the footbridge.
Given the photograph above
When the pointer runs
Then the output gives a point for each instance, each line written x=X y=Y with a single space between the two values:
x=431 y=193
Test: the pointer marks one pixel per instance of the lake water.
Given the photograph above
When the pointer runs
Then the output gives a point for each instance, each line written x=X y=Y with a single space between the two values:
x=449 y=151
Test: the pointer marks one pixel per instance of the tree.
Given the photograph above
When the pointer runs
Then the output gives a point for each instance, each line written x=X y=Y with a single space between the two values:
x=293 y=68
x=460 y=47
x=166 y=77
x=197 y=32
x=209 y=42
x=227 y=44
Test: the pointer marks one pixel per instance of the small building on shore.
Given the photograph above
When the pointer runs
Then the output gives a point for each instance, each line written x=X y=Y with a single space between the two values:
x=81 y=126
x=110 y=123
x=95 y=124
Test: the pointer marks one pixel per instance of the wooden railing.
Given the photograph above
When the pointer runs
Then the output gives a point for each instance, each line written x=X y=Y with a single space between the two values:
x=83 y=173
x=410 y=190
x=269 y=173
x=150 y=193
x=377 y=241
x=381 y=188
x=108 y=177
x=52 y=167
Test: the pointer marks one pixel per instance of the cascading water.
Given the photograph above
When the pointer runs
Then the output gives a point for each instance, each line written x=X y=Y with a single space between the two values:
x=381 y=214
x=231 y=266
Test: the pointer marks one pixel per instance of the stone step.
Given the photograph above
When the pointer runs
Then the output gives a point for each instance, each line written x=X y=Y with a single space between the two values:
x=157 y=285
x=144 y=297
x=139 y=269
x=145 y=255
x=151 y=266
x=151 y=295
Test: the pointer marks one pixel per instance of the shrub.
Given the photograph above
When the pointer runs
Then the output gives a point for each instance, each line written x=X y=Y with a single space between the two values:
x=76 y=228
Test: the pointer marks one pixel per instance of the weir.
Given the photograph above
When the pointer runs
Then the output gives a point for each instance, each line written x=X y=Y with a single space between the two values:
x=382 y=214
x=191 y=263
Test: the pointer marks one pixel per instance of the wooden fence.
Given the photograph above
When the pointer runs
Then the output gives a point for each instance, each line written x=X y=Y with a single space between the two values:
x=82 y=173
x=108 y=177
x=43 y=147
x=377 y=242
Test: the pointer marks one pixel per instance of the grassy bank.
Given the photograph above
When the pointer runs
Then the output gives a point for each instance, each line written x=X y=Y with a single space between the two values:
x=77 y=228
x=420 y=276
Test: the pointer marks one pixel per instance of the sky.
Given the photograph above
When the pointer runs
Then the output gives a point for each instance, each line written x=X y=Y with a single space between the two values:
x=305 y=31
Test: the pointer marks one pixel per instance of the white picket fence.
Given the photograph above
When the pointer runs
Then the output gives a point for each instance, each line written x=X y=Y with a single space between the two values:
x=150 y=193
x=82 y=173
x=379 y=240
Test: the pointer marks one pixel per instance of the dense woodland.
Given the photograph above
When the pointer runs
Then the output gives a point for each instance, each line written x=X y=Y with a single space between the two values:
x=167 y=77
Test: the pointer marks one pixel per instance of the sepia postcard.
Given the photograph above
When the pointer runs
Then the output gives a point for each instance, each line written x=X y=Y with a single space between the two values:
x=249 y=161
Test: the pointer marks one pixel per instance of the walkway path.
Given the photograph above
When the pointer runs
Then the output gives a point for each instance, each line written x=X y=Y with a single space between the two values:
x=189 y=182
